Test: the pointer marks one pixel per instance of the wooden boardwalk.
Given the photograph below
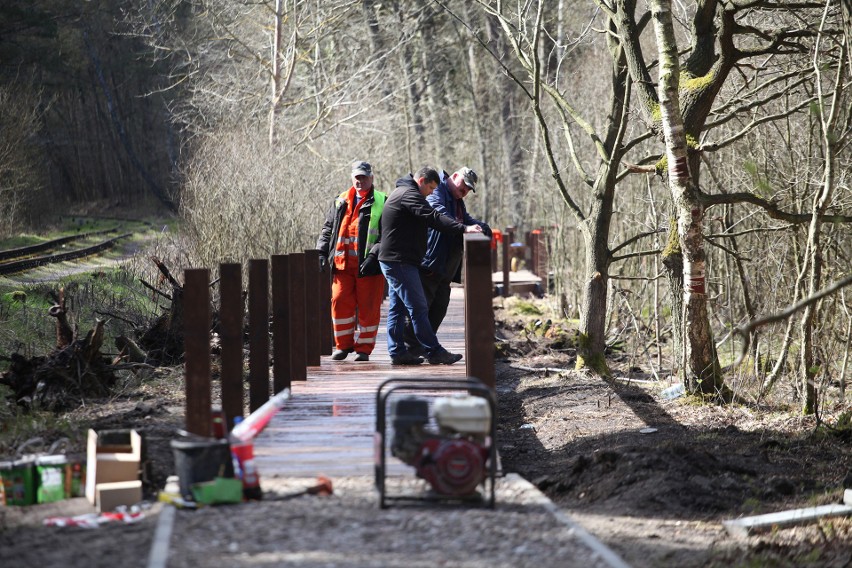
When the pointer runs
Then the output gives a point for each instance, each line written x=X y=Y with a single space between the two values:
x=328 y=425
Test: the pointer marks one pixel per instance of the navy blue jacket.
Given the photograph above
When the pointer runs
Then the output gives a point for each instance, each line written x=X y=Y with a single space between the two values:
x=444 y=251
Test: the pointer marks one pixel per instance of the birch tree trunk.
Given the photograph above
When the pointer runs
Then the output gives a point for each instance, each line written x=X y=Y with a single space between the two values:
x=701 y=372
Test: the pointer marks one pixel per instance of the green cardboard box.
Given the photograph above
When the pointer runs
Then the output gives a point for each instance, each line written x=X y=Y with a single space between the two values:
x=18 y=481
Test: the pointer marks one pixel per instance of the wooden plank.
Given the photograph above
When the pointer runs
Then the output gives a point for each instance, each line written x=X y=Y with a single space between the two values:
x=749 y=525
x=507 y=242
x=280 y=322
x=328 y=425
x=313 y=316
x=298 y=343
x=258 y=332
x=231 y=312
x=478 y=311
x=196 y=337
x=326 y=328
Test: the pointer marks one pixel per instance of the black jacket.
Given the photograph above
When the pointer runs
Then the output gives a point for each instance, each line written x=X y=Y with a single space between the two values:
x=327 y=241
x=405 y=219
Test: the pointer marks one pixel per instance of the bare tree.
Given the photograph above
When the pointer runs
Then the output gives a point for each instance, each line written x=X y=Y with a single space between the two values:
x=21 y=180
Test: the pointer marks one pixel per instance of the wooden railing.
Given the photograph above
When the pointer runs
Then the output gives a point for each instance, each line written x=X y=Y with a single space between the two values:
x=301 y=327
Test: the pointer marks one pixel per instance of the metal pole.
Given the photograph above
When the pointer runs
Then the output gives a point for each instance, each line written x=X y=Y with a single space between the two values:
x=280 y=322
x=478 y=311
x=313 y=317
x=196 y=337
x=231 y=312
x=298 y=345
x=326 y=328
x=258 y=332
x=508 y=236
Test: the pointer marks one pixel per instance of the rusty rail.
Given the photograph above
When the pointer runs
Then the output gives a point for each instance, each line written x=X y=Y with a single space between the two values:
x=26 y=264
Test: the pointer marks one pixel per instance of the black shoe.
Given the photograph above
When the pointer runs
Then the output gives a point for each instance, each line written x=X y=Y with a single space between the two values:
x=406 y=359
x=417 y=350
x=340 y=354
x=362 y=357
x=444 y=357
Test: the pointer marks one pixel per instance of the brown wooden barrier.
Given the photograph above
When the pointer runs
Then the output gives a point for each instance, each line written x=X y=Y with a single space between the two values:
x=508 y=236
x=298 y=356
x=231 y=316
x=313 y=333
x=478 y=311
x=326 y=328
x=258 y=332
x=280 y=322
x=196 y=333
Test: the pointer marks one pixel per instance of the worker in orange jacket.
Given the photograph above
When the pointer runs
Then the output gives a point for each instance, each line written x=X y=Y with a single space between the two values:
x=349 y=243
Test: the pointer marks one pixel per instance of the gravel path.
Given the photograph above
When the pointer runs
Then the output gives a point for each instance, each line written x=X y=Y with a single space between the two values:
x=348 y=529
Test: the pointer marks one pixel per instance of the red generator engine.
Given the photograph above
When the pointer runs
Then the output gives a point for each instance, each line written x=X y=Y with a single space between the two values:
x=452 y=458
x=448 y=438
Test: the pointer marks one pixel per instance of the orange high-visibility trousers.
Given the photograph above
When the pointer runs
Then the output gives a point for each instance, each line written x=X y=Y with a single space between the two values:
x=356 y=299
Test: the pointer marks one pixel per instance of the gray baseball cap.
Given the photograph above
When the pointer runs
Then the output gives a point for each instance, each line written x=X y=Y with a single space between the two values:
x=470 y=178
x=361 y=169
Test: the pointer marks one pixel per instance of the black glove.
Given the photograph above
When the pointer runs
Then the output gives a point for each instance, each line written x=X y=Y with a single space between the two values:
x=323 y=263
x=370 y=266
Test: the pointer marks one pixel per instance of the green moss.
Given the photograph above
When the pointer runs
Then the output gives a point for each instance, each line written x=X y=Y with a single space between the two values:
x=595 y=363
x=690 y=83
x=672 y=247
x=527 y=309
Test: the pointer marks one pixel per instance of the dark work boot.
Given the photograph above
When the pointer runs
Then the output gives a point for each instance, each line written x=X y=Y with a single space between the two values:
x=444 y=357
x=406 y=359
x=340 y=354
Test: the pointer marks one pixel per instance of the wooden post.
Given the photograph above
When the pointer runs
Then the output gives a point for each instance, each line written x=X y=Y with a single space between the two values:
x=313 y=337
x=231 y=312
x=478 y=311
x=196 y=337
x=534 y=244
x=507 y=261
x=258 y=332
x=326 y=328
x=298 y=355
x=280 y=322
x=493 y=247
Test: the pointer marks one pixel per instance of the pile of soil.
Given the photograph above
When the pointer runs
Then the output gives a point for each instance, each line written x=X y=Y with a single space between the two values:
x=654 y=478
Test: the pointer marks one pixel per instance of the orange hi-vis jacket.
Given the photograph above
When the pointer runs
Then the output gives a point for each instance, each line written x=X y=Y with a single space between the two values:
x=354 y=298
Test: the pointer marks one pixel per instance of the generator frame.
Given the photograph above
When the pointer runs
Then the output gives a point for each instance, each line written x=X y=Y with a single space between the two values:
x=432 y=387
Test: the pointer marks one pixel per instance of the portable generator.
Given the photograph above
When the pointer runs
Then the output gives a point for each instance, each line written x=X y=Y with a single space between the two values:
x=448 y=437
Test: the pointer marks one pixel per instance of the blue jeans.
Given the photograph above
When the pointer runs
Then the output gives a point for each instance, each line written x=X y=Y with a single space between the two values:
x=406 y=298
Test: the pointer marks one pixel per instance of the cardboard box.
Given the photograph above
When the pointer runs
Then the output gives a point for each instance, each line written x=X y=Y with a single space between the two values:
x=50 y=478
x=111 y=456
x=18 y=480
x=112 y=495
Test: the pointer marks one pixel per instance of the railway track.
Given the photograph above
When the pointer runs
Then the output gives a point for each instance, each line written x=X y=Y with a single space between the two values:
x=29 y=257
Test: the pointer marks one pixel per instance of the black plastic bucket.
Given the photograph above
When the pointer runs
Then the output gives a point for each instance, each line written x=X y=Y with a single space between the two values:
x=200 y=459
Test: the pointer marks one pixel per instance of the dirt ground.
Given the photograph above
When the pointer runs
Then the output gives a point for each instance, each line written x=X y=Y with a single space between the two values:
x=654 y=478
x=651 y=478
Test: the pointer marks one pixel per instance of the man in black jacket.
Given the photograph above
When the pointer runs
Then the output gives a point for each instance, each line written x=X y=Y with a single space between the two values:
x=405 y=219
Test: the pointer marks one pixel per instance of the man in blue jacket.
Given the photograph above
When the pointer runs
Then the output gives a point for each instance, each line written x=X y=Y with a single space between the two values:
x=405 y=218
x=442 y=262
